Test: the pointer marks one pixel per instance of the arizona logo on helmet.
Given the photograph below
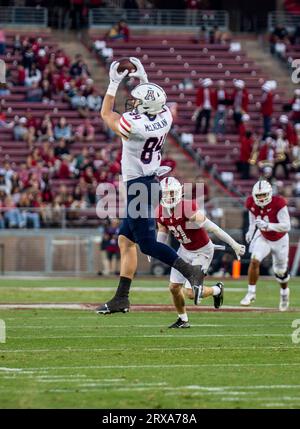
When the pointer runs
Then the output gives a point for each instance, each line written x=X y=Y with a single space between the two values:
x=150 y=95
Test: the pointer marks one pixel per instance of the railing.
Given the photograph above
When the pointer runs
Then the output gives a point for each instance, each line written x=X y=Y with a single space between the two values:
x=24 y=16
x=141 y=18
x=289 y=21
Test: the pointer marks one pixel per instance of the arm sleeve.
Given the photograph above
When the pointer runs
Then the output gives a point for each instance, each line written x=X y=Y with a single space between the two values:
x=284 y=224
x=222 y=235
x=251 y=223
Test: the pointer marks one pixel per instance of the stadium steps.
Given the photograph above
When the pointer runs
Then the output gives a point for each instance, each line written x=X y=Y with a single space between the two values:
x=269 y=64
x=72 y=46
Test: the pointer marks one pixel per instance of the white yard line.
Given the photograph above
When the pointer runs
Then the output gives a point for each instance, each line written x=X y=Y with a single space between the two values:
x=100 y=336
x=140 y=307
x=156 y=349
x=153 y=366
x=152 y=326
x=95 y=289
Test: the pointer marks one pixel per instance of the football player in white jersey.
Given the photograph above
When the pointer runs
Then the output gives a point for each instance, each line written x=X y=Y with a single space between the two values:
x=143 y=132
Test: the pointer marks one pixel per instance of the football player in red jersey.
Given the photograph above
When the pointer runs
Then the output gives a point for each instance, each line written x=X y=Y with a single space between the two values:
x=269 y=223
x=190 y=227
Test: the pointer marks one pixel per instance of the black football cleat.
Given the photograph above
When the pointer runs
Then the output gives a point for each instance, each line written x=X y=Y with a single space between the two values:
x=180 y=324
x=115 y=305
x=218 y=299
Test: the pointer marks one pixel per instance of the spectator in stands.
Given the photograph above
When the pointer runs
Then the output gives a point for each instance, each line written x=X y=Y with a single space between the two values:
x=78 y=67
x=220 y=101
x=45 y=130
x=17 y=44
x=46 y=91
x=34 y=93
x=246 y=147
x=204 y=105
x=295 y=106
x=215 y=35
x=203 y=35
x=279 y=35
x=12 y=214
x=267 y=106
x=63 y=130
x=2 y=41
x=295 y=150
x=61 y=149
x=85 y=132
x=21 y=75
x=240 y=101
x=296 y=186
x=29 y=216
x=123 y=30
x=5 y=183
x=20 y=129
x=288 y=129
x=32 y=75
x=119 y=31
x=28 y=58
x=281 y=153
x=245 y=125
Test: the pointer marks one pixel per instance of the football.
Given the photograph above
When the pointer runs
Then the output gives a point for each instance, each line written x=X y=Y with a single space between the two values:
x=126 y=64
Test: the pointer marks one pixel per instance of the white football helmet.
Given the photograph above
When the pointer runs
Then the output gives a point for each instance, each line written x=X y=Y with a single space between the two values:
x=171 y=192
x=149 y=98
x=262 y=193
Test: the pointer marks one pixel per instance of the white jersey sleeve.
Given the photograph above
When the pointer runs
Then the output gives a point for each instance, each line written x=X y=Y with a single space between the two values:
x=284 y=224
x=143 y=138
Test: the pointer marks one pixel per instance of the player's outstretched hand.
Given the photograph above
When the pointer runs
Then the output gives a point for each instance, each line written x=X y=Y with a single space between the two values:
x=140 y=71
x=261 y=224
x=240 y=250
x=114 y=76
x=248 y=236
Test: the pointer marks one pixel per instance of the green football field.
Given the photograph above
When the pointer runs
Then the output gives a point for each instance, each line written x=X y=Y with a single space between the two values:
x=64 y=358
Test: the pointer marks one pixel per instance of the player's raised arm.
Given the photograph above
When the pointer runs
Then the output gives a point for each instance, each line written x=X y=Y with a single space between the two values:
x=108 y=115
x=210 y=226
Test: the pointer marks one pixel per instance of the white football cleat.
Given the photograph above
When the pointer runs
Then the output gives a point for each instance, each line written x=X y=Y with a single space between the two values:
x=284 y=302
x=249 y=298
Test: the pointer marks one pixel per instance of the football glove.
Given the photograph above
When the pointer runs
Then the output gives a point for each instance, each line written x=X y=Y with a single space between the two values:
x=248 y=236
x=262 y=224
x=140 y=71
x=115 y=78
x=239 y=249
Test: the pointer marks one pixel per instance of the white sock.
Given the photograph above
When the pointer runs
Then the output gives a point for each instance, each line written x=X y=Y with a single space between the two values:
x=285 y=292
x=216 y=290
x=183 y=317
x=252 y=289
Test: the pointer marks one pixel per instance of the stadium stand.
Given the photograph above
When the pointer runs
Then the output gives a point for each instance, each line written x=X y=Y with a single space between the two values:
x=51 y=164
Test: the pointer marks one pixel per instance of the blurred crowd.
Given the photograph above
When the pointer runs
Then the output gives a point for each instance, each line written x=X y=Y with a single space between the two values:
x=50 y=77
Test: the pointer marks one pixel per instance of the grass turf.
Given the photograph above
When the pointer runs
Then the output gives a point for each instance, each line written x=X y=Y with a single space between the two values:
x=77 y=359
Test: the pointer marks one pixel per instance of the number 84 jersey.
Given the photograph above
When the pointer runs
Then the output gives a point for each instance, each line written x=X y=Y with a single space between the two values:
x=142 y=140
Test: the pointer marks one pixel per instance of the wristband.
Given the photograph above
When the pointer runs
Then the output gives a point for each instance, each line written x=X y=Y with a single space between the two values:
x=112 y=88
